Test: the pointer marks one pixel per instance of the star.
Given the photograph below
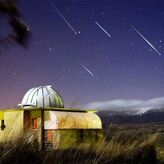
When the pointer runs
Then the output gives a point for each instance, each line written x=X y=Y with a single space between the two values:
x=69 y=69
x=103 y=13
x=14 y=73
x=105 y=57
x=80 y=72
x=35 y=42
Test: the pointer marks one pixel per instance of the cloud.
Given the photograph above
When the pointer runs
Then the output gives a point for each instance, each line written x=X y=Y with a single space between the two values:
x=132 y=106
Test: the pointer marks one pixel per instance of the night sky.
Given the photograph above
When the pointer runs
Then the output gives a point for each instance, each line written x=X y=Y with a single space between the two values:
x=79 y=59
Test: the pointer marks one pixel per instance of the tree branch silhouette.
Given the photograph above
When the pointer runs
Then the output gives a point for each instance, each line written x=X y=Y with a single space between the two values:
x=20 y=31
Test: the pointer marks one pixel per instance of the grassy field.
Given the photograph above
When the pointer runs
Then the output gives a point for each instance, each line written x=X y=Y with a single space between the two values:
x=134 y=144
x=139 y=132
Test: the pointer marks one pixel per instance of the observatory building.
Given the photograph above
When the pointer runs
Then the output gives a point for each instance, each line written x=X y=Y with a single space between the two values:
x=42 y=117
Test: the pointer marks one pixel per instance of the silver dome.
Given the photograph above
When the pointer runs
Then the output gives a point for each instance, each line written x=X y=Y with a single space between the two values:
x=43 y=96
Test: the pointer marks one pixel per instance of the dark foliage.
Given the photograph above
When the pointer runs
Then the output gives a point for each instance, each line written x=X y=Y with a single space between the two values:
x=20 y=31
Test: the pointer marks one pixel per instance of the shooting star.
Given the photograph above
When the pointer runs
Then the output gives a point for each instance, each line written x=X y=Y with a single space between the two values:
x=102 y=29
x=69 y=25
x=143 y=38
x=87 y=69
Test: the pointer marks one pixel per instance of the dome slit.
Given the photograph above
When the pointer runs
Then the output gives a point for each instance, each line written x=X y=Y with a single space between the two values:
x=34 y=94
x=48 y=96
x=29 y=95
x=37 y=97
x=43 y=96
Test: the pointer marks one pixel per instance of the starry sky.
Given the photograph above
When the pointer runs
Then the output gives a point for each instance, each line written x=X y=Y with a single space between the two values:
x=82 y=60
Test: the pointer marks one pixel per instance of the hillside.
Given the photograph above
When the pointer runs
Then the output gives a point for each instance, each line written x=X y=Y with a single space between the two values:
x=151 y=116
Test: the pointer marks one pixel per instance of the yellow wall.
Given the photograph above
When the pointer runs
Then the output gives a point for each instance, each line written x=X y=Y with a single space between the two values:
x=66 y=121
x=13 y=125
x=1 y=115
x=69 y=138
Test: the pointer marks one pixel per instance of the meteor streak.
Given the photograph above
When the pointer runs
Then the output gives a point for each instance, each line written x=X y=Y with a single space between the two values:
x=87 y=69
x=61 y=15
x=102 y=29
x=136 y=30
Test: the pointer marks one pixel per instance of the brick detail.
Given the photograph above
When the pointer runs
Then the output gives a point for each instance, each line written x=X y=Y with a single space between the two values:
x=48 y=139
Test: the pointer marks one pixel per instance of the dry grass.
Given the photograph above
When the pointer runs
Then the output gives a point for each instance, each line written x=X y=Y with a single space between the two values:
x=116 y=151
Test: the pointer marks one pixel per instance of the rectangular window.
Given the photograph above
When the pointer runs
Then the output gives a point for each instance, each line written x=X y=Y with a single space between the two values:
x=34 y=123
